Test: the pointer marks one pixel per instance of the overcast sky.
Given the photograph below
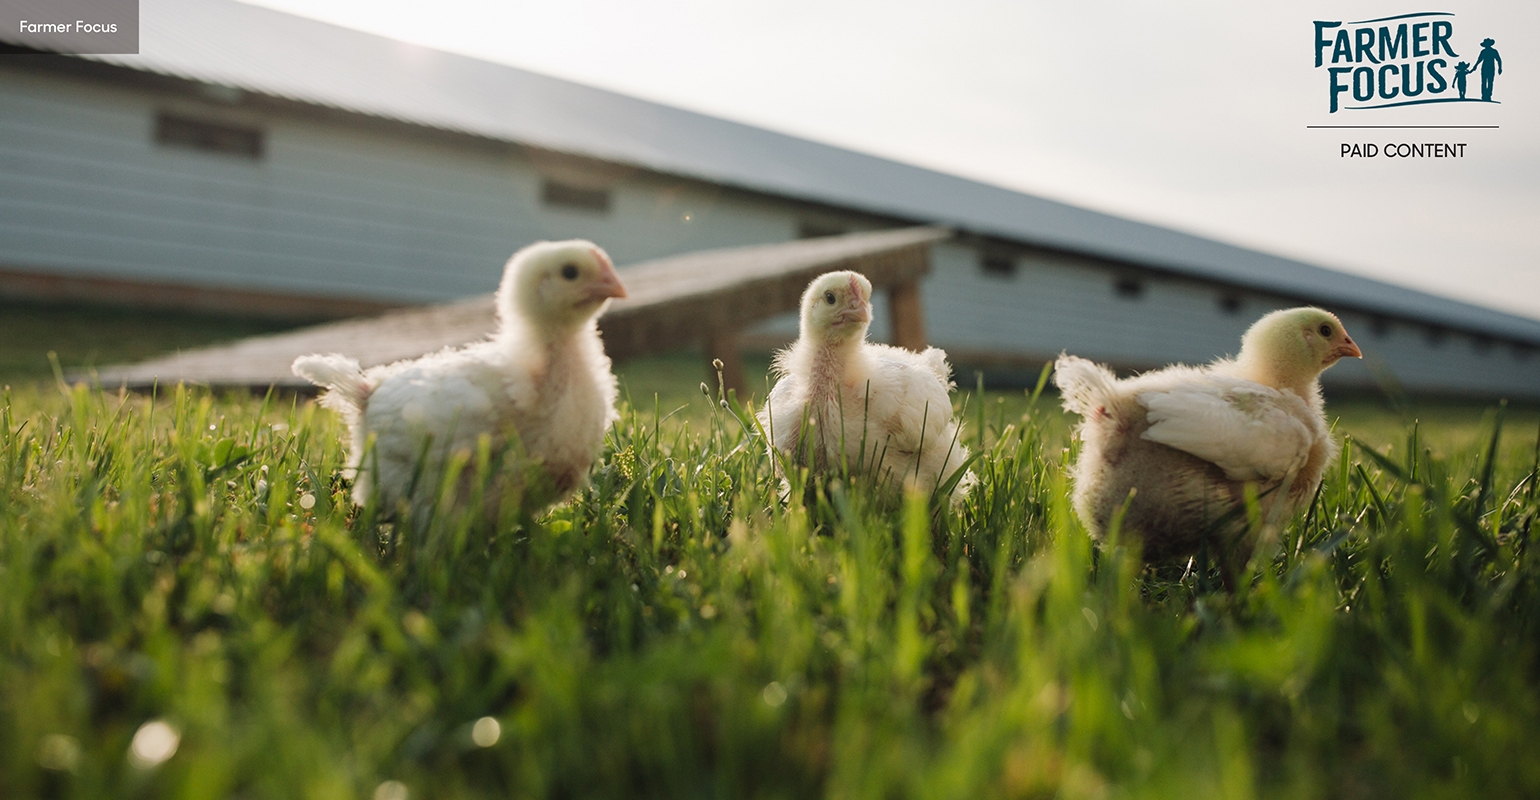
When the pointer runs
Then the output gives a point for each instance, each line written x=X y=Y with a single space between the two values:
x=1189 y=113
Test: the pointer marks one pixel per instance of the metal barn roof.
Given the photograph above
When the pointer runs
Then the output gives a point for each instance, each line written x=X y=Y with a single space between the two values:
x=269 y=52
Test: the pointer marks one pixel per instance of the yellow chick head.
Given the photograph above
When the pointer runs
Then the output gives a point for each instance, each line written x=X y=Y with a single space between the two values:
x=556 y=286
x=837 y=307
x=1290 y=348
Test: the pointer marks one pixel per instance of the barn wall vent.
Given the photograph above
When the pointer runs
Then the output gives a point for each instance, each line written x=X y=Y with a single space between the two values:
x=173 y=130
x=564 y=195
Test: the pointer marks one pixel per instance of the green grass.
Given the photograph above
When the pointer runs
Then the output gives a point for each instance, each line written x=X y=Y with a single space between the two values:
x=84 y=336
x=678 y=631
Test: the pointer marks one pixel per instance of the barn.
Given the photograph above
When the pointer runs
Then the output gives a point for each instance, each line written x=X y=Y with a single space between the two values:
x=258 y=162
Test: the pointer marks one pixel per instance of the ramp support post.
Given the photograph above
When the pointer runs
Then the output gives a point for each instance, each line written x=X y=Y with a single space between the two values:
x=906 y=314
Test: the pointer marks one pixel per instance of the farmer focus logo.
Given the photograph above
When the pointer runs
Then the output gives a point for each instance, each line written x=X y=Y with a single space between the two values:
x=1405 y=60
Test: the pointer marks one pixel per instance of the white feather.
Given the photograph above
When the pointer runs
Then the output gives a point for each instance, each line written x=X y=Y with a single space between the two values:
x=541 y=383
x=870 y=408
x=1083 y=385
x=344 y=379
x=1252 y=432
x=1171 y=455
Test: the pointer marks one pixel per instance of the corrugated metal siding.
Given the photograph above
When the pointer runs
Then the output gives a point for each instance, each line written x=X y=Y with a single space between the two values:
x=1061 y=304
x=332 y=209
x=1049 y=297
x=327 y=210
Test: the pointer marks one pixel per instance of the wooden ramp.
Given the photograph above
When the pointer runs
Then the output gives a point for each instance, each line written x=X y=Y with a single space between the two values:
x=705 y=298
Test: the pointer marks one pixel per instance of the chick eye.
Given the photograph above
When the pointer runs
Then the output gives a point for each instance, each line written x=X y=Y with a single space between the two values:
x=569 y=272
x=828 y=297
x=1326 y=331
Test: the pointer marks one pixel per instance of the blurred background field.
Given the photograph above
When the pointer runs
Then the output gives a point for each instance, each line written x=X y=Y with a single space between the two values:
x=83 y=337
x=87 y=336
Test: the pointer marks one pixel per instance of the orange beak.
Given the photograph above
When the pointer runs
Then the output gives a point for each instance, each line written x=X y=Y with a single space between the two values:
x=854 y=314
x=608 y=283
x=1346 y=349
x=856 y=309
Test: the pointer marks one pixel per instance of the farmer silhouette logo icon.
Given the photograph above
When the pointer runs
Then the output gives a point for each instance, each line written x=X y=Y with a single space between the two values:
x=1491 y=66
x=1403 y=60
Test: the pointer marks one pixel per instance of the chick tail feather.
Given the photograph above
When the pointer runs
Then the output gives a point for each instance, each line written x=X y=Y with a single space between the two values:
x=935 y=360
x=1087 y=389
x=342 y=376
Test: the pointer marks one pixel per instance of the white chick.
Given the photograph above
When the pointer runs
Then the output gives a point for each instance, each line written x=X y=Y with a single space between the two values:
x=1177 y=447
x=541 y=383
x=869 y=408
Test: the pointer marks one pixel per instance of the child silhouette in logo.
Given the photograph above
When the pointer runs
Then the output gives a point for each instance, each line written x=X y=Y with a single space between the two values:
x=1460 y=71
